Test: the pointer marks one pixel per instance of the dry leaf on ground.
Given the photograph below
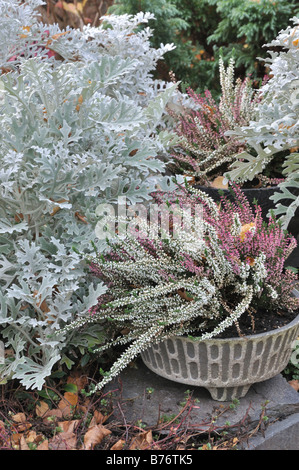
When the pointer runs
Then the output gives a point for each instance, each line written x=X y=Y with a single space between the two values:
x=65 y=440
x=98 y=418
x=142 y=441
x=26 y=441
x=94 y=436
x=43 y=445
x=54 y=414
x=119 y=445
x=19 y=418
x=78 y=379
x=69 y=426
x=68 y=404
x=21 y=422
x=15 y=439
x=41 y=409
x=294 y=384
x=23 y=443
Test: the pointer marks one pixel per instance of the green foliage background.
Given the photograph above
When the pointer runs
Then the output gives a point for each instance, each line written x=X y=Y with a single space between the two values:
x=203 y=29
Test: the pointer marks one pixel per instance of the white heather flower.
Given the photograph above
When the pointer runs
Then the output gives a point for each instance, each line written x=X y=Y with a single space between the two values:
x=236 y=225
x=272 y=292
x=259 y=272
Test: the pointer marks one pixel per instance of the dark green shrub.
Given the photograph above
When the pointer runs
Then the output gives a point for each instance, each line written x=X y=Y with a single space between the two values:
x=246 y=26
x=202 y=30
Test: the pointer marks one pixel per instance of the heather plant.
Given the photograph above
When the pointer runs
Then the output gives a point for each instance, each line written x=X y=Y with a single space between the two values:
x=205 y=151
x=198 y=282
x=273 y=133
x=78 y=128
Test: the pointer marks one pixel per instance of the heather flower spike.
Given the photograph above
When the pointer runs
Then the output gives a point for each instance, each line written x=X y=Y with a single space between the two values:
x=205 y=151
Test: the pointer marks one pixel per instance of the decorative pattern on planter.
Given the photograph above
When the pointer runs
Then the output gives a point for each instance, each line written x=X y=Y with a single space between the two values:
x=226 y=367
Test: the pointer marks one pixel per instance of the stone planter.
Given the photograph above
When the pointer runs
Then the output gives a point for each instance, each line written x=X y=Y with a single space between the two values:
x=226 y=367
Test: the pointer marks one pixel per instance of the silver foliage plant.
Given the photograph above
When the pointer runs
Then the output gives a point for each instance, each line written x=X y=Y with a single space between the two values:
x=276 y=127
x=75 y=132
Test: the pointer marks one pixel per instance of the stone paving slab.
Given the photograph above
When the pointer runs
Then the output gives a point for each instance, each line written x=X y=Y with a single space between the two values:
x=280 y=435
x=134 y=402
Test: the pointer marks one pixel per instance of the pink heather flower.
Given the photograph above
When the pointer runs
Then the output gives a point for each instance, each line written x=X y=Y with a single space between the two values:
x=242 y=236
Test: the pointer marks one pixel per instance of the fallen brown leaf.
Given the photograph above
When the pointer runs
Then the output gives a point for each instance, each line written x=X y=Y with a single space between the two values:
x=57 y=208
x=184 y=295
x=142 y=441
x=71 y=398
x=43 y=445
x=227 y=445
x=52 y=414
x=82 y=408
x=70 y=7
x=19 y=418
x=31 y=436
x=94 y=436
x=294 y=384
x=41 y=409
x=63 y=441
x=191 y=179
x=218 y=183
x=98 y=418
x=205 y=447
x=78 y=379
x=21 y=422
x=81 y=217
x=22 y=440
x=68 y=426
x=68 y=404
x=119 y=445
x=15 y=439
x=66 y=439
x=42 y=305
x=23 y=443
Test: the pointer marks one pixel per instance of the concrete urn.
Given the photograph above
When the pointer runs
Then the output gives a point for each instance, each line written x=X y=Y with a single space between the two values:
x=226 y=367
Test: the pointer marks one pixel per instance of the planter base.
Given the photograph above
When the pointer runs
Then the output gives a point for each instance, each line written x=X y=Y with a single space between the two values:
x=228 y=393
x=225 y=367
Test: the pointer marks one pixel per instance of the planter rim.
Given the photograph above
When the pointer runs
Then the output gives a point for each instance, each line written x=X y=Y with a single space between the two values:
x=255 y=335
x=247 y=337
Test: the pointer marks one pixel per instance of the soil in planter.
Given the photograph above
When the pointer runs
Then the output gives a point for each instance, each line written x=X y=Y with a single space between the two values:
x=264 y=321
